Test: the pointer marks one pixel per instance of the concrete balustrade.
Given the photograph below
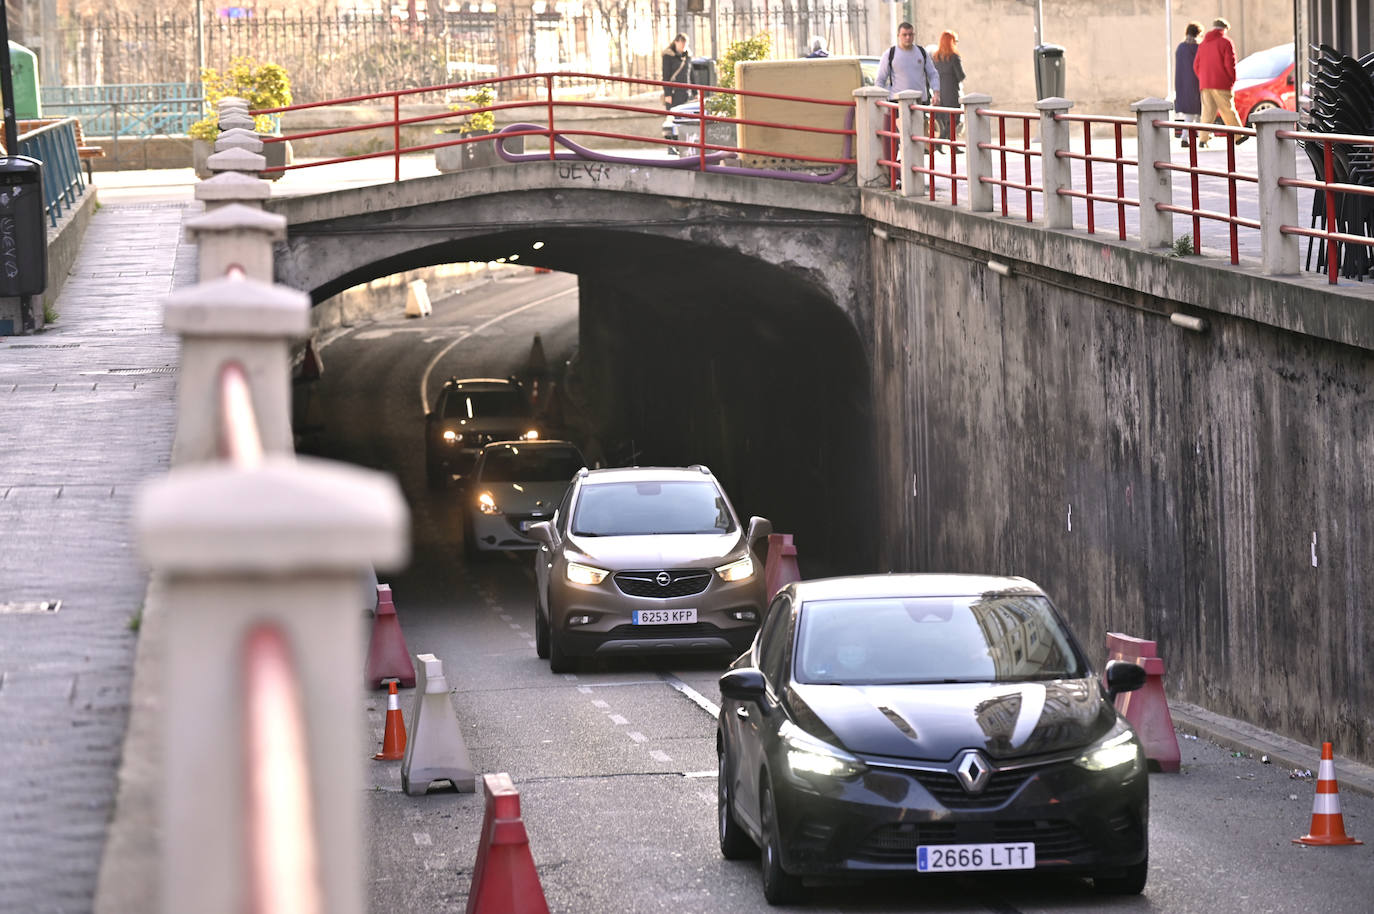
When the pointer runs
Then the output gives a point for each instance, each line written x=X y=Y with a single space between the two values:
x=977 y=132
x=232 y=187
x=235 y=235
x=869 y=118
x=1056 y=172
x=1156 y=185
x=912 y=151
x=1278 y=159
x=238 y=138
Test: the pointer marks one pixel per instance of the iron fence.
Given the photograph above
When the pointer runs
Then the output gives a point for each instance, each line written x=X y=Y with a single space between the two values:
x=155 y=109
x=334 y=56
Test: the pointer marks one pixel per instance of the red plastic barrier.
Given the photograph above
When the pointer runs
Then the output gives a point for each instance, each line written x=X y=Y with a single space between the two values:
x=387 y=655
x=1146 y=708
x=504 y=881
x=781 y=566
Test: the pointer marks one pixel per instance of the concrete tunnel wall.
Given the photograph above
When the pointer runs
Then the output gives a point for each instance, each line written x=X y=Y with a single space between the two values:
x=1210 y=491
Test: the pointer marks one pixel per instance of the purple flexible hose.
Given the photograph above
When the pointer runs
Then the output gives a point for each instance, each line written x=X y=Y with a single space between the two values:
x=713 y=159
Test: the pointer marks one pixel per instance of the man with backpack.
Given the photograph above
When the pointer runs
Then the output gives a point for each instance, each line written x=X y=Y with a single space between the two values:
x=906 y=65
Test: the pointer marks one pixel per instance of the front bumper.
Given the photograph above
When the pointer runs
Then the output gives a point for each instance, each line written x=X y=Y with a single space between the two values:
x=492 y=532
x=612 y=629
x=1080 y=821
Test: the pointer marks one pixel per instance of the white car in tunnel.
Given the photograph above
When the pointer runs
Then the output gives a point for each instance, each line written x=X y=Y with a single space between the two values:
x=514 y=484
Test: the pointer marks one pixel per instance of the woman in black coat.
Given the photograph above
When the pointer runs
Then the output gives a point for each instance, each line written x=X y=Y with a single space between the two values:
x=1187 y=95
x=677 y=68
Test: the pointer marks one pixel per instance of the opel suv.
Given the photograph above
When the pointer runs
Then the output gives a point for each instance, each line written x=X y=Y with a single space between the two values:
x=646 y=559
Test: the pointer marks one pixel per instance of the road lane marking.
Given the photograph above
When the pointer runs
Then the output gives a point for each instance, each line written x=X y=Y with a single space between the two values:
x=618 y=720
x=637 y=736
x=659 y=755
x=429 y=368
x=422 y=839
x=598 y=703
x=505 y=617
x=698 y=699
x=701 y=774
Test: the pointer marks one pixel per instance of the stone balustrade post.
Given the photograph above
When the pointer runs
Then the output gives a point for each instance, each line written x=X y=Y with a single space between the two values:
x=234 y=119
x=909 y=124
x=868 y=146
x=236 y=159
x=236 y=235
x=281 y=544
x=238 y=138
x=977 y=131
x=232 y=187
x=1280 y=254
x=234 y=319
x=1156 y=185
x=1056 y=172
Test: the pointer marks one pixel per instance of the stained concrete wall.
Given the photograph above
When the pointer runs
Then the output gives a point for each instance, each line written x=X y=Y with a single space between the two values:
x=1210 y=491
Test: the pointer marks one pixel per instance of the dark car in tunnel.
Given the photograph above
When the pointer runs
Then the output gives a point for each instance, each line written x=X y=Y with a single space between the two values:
x=927 y=724
x=468 y=414
x=642 y=560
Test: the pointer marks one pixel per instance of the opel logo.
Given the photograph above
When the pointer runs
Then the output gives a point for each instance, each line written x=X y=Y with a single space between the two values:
x=663 y=578
x=973 y=771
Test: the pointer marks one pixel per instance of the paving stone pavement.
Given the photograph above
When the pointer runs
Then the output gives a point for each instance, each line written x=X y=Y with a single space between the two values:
x=87 y=411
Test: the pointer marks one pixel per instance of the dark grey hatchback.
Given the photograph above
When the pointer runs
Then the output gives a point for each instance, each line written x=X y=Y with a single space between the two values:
x=927 y=724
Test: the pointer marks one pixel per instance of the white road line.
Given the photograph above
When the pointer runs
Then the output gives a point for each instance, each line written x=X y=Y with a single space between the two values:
x=659 y=755
x=515 y=625
x=598 y=703
x=570 y=677
x=533 y=645
x=585 y=690
x=422 y=839
x=700 y=774
x=429 y=368
x=637 y=736
x=698 y=699
x=505 y=617
x=618 y=720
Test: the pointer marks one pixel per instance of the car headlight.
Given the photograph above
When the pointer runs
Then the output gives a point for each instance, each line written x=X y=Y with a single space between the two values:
x=1119 y=748
x=808 y=755
x=451 y=436
x=487 y=505
x=585 y=574
x=737 y=571
x=531 y=434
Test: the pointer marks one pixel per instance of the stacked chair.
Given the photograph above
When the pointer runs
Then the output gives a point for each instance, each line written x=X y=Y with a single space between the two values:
x=1342 y=92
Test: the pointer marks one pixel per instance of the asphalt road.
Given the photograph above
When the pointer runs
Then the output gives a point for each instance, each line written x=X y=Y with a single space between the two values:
x=616 y=766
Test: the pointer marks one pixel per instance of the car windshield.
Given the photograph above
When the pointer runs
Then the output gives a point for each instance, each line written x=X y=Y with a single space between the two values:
x=526 y=463
x=483 y=404
x=989 y=638
x=644 y=508
x=1265 y=64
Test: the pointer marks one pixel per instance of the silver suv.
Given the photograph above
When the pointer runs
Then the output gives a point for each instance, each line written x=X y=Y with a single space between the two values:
x=646 y=559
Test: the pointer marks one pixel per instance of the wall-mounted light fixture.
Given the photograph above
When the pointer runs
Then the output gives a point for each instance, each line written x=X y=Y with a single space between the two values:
x=1188 y=322
x=1001 y=269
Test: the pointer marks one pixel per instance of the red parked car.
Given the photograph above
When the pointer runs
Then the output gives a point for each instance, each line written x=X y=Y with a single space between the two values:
x=1264 y=80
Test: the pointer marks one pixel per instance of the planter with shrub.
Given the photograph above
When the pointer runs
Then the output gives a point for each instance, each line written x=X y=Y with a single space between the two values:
x=262 y=85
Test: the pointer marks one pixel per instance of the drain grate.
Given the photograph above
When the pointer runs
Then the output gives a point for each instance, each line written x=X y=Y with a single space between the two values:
x=165 y=369
x=31 y=607
x=43 y=346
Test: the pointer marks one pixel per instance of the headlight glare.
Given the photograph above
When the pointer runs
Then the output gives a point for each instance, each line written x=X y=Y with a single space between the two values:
x=487 y=505
x=738 y=570
x=585 y=574
x=451 y=436
x=807 y=755
x=1112 y=752
x=531 y=434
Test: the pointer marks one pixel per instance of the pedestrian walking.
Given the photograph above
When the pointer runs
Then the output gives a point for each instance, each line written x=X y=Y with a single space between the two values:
x=1215 y=66
x=950 y=67
x=677 y=68
x=1187 y=95
x=907 y=66
x=818 y=48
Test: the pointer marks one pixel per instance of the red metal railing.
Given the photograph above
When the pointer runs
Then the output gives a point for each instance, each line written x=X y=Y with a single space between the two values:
x=548 y=108
x=1329 y=189
x=1232 y=177
x=1002 y=149
x=1119 y=200
x=934 y=144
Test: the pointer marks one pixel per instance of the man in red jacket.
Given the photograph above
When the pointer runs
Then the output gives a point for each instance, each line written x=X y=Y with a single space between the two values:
x=1215 y=66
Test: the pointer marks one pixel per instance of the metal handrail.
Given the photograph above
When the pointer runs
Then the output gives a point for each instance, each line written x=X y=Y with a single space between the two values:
x=1232 y=177
x=53 y=142
x=1001 y=147
x=1120 y=200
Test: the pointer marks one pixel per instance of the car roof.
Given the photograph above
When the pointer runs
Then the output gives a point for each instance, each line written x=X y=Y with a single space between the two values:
x=480 y=382
x=642 y=474
x=911 y=585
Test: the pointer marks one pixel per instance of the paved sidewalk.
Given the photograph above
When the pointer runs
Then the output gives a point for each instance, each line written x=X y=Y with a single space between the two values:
x=86 y=414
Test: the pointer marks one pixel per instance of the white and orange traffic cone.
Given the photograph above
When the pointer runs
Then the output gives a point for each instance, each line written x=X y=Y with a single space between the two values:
x=1328 y=828
x=394 y=737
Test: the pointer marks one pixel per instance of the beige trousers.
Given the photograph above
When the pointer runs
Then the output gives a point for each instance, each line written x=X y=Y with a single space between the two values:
x=1214 y=102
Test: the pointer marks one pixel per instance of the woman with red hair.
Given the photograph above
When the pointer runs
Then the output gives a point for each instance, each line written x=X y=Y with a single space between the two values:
x=950 y=66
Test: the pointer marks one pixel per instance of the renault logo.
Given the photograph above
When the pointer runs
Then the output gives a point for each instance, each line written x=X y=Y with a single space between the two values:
x=973 y=771
x=663 y=578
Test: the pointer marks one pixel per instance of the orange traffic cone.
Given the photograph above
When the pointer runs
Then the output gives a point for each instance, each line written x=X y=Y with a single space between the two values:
x=1328 y=828
x=394 y=739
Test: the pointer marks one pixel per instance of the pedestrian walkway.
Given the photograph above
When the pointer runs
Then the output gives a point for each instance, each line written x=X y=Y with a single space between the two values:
x=86 y=414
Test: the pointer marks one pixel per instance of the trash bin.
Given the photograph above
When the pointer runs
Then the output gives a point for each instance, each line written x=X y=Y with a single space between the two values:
x=24 y=69
x=703 y=72
x=1049 y=71
x=23 y=236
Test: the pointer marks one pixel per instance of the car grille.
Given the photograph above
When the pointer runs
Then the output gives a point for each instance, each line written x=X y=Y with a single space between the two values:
x=692 y=630
x=947 y=788
x=897 y=842
x=643 y=583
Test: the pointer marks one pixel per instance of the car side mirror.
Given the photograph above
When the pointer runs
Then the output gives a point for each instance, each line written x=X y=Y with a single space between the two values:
x=743 y=685
x=759 y=526
x=542 y=532
x=1123 y=676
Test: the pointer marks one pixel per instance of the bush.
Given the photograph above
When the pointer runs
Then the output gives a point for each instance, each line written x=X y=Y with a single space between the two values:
x=478 y=121
x=262 y=85
x=756 y=48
